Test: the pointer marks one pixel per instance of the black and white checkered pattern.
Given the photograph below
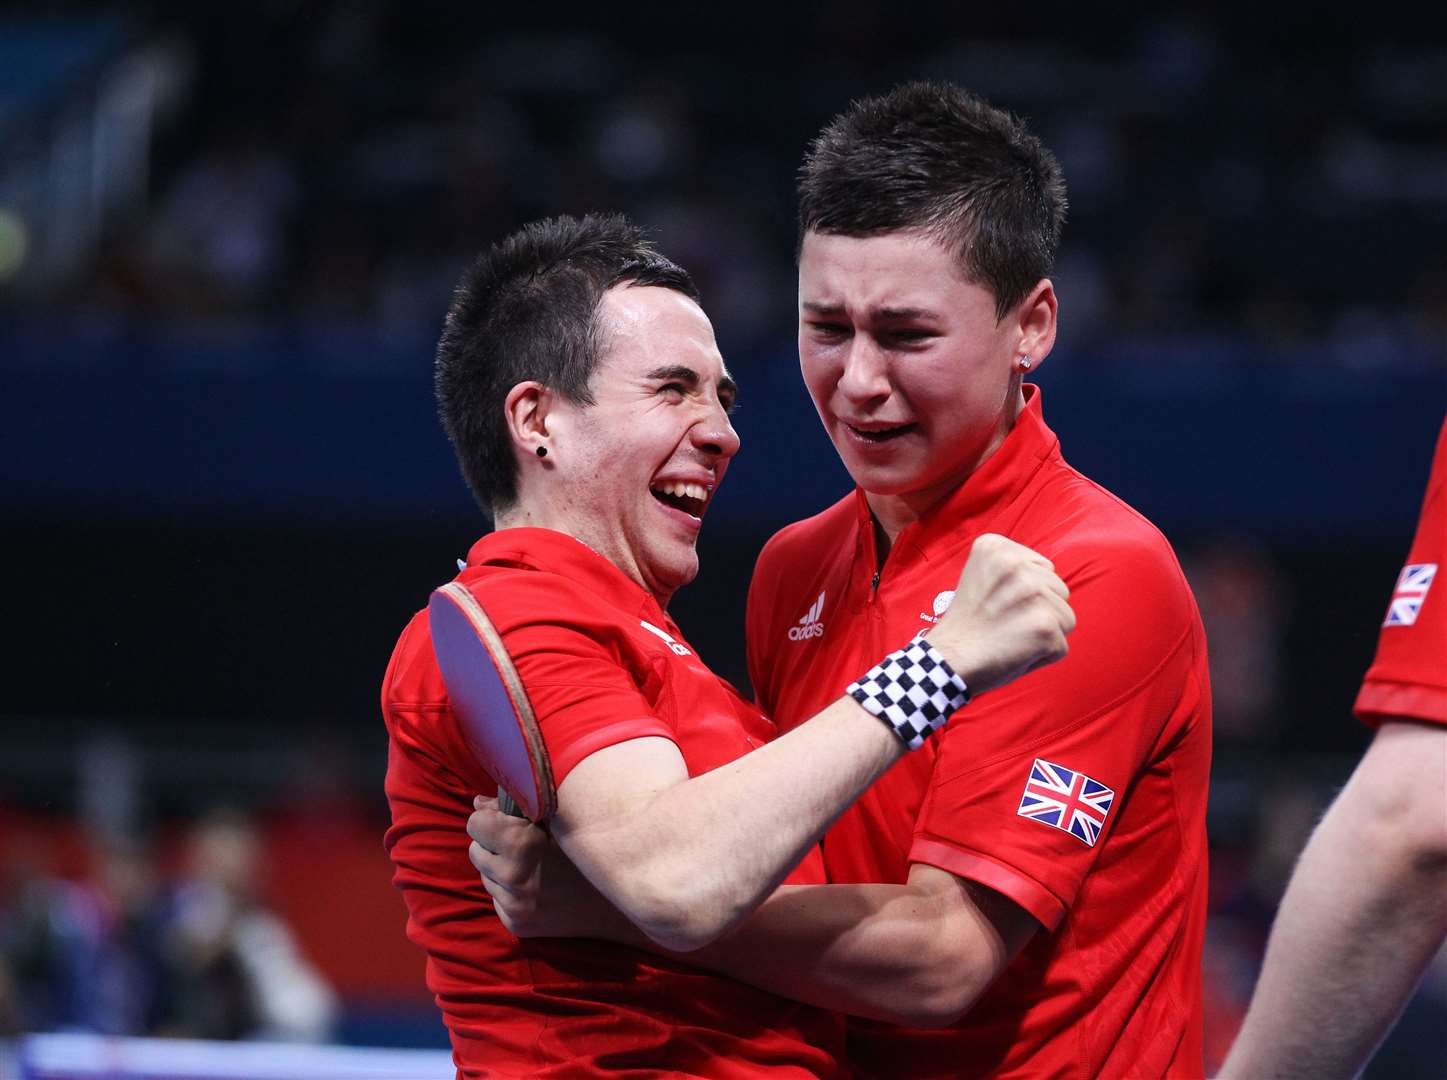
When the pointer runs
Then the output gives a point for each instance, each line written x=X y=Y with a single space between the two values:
x=913 y=690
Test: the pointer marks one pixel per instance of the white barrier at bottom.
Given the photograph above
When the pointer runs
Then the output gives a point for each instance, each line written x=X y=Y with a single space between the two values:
x=100 y=1057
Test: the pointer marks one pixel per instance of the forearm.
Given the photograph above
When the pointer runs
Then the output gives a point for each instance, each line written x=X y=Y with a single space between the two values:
x=688 y=862
x=918 y=954
x=880 y=951
x=1364 y=913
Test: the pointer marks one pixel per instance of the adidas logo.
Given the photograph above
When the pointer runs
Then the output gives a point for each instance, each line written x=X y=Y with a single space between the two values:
x=809 y=626
x=668 y=639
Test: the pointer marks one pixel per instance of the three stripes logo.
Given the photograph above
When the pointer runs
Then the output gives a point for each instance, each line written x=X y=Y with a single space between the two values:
x=668 y=639
x=811 y=625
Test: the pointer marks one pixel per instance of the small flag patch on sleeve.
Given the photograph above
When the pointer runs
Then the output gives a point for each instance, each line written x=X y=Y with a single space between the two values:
x=1411 y=590
x=1067 y=800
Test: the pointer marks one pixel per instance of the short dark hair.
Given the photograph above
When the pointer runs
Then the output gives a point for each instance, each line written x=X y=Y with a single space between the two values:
x=527 y=309
x=934 y=157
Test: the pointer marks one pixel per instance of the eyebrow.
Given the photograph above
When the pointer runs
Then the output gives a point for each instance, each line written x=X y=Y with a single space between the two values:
x=883 y=314
x=815 y=308
x=689 y=377
x=902 y=314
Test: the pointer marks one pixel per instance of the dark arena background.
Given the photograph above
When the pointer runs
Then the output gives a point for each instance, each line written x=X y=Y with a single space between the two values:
x=227 y=237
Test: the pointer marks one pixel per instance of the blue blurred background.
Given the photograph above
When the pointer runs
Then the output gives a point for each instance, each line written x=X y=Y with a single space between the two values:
x=227 y=238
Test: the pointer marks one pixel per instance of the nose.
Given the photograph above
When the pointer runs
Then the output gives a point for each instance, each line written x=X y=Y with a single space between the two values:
x=865 y=375
x=714 y=433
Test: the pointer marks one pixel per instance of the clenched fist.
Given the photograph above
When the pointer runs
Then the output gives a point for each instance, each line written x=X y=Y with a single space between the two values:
x=1010 y=615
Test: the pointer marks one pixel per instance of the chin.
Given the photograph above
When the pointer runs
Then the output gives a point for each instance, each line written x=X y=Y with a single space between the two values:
x=687 y=573
x=883 y=479
x=676 y=571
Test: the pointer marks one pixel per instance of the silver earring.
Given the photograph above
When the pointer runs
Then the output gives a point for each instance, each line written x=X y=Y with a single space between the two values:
x=1024 y=363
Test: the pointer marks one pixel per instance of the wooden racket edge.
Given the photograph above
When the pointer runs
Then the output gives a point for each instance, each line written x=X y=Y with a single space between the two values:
x=512 y=682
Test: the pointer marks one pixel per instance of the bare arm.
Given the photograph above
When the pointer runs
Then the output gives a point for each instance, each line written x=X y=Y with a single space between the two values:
x=918 y=954
x=1364 y=913
x=686 y=859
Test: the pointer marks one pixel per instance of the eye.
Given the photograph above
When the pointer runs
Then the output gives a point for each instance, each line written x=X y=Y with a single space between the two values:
x=676 y=391
x=909 y=337
x=829 y=331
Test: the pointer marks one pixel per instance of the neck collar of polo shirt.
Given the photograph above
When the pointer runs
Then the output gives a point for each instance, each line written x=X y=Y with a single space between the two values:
x=558 y=553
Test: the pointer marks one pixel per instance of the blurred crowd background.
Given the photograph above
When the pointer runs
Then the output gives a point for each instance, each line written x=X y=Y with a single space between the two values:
x=227 y=238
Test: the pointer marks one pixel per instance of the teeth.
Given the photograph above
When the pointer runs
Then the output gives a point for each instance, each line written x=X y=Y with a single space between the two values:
x=681 y=490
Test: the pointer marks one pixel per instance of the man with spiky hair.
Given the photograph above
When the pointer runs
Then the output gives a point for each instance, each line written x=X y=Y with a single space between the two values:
x=1051 y=850
x=577 y=378
x=1026 y=897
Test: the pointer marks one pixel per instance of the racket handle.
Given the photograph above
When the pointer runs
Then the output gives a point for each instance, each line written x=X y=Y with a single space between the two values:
x=506 y=805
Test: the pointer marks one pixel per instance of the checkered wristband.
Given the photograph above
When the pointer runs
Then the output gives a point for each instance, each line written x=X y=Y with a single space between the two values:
x=913 y=690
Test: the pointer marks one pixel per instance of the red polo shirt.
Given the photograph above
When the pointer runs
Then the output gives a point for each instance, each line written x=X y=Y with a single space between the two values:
x=1079 y=790
x=1408 y=679
x=602 y=663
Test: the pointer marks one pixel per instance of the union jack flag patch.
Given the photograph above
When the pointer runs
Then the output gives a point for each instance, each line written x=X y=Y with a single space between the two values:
x=1068 y=800
x=1412 y=589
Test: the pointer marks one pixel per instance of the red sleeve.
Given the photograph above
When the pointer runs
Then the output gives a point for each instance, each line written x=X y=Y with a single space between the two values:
x=1030 y=777
x=590 y=686
x=1408 y=678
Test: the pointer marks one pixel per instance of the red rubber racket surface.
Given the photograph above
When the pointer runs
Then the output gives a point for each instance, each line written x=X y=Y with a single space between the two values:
x=489 y=700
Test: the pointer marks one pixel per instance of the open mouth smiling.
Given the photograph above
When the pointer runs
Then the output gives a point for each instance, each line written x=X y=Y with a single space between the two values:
x=688 y=497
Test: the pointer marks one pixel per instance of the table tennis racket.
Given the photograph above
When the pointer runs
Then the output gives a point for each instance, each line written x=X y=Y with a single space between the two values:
x=490 y=702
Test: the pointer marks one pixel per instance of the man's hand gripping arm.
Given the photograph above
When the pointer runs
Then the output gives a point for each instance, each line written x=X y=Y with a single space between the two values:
x=916 y=954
